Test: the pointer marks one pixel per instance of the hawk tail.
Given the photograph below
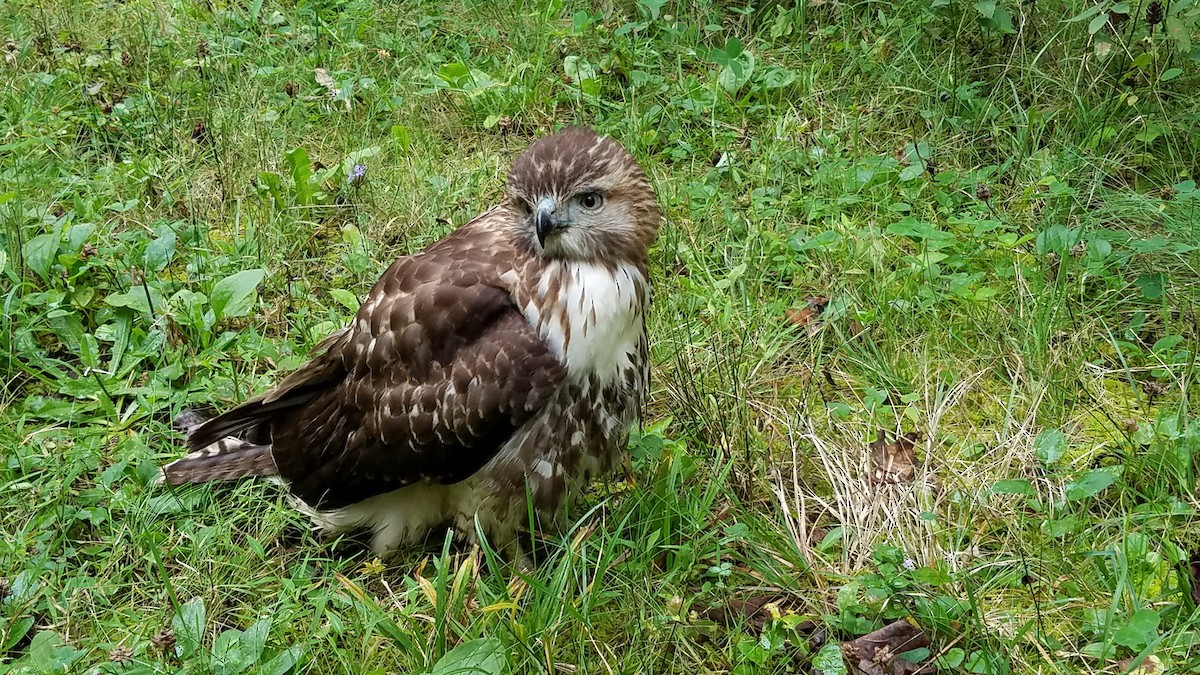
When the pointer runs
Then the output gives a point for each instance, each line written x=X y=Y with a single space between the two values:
x=226 y=459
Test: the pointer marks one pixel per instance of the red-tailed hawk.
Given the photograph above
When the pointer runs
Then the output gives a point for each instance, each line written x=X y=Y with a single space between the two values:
x=501 y=366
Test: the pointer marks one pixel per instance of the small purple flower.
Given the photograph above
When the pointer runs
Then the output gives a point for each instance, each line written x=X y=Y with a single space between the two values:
x=909 y=564
x=357 y=173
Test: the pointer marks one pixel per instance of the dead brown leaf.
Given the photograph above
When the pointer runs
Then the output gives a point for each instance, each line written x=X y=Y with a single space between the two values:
x=751 y=612
x=878 y=653
x=808 y=317
x=1149 y=666
x=894 y=462
x=326 y=80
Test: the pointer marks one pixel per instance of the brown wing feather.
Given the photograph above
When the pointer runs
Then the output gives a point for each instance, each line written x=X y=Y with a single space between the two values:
x=437 y=371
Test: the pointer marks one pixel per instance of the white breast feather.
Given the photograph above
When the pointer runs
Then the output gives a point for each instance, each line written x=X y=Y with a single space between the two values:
x=603 y=320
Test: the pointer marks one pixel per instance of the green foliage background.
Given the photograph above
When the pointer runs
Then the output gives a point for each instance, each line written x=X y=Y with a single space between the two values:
x=994 y=203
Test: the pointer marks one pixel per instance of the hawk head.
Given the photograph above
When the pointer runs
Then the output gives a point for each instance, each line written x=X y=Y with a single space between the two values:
x=581 y=196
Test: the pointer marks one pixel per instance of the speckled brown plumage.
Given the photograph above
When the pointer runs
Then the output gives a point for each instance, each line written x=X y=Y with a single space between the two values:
x=507 y=360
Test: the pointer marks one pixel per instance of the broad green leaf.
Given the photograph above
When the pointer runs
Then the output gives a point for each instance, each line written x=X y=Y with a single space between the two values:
x=122 y=207
x=39 y=253
x=1050 y=446
x=118 y=332
x=24 y=588
x=1003 y=21
x=952 y=659
x=733 y=48
x=829 y=660
x=89 y=351
x=1151 y=285
x=776 y=77
x=254 y=640
x=18 y=628
x=481 y=656
x=1061 y=527
x=736 y=74
x=823 y=240
x=187 y=307
x=301 y=174
x=1089 y=484
x=1170 y=74
x=227 y=657
x=1140 y=631
x=1085 y=13
x=1166 y=344
x=77 y=236
x=1097 y=23
x=916 y=229
x=582 y=73
x=142 y=299
x=911 y=172
x=235 y=651
x=160 y=251
x=188 y=625
x=345 y=298
x=1179 y=32
x=273 y=184
x=1100 y=650
x=400 y=135
x=987 y=8
x=234 y=295
x=1015 y=486
x=454 y=74
x=49 y=653
x=1099 y=249
x=282 y=662
x=915 y=655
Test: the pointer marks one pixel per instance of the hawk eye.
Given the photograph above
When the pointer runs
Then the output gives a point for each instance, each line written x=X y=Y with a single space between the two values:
x=525 y=207
x=591 y=200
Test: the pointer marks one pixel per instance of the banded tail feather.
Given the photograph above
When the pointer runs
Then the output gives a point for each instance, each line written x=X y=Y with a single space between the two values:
x=228 y=458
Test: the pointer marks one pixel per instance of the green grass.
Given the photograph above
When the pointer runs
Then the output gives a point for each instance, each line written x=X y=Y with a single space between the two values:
x=998 y=203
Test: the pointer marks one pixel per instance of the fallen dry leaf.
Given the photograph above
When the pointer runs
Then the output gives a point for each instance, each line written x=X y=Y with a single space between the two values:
x=326 y=80
x=1149 y=665
x=753 y=611
x=878 y=653
x=894 y=462
x=808 y=316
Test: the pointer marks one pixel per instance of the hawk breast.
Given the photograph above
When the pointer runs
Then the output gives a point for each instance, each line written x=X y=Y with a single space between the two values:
x=591 y=316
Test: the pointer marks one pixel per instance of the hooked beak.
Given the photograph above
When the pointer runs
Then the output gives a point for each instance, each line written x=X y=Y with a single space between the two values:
x=545 y=221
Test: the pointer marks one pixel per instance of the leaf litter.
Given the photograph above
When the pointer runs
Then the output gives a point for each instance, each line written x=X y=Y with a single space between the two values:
x=895 y=461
